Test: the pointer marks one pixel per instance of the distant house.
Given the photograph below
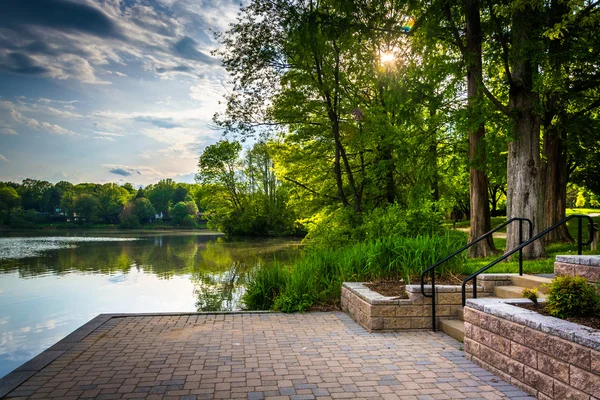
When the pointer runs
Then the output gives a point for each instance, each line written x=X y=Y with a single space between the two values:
x=158 y=216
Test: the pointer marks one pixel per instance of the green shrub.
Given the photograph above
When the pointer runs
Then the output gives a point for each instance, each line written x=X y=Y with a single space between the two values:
x=572 y=296
x=265 y=285
x=292 y=303
x=316 y=278
x=531 y=294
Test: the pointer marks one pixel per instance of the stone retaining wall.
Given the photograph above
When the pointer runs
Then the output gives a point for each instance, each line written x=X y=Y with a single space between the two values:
x=375 y=312
x=545 y=356
x=586 y=266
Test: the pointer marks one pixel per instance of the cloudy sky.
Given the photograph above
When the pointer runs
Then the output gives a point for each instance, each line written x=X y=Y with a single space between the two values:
x=109 y=90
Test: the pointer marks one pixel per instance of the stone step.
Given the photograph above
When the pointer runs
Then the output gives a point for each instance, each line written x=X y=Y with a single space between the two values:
x=512 y=292
x=531 y=281
x=453 y=328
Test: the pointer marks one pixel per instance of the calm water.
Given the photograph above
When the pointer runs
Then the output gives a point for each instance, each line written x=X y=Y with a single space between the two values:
x=52 y=284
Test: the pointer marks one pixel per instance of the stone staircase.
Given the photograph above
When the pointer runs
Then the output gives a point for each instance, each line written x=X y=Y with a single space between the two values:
x=456 y=327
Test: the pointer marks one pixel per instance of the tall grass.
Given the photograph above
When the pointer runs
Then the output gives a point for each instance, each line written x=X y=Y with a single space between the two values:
x=317 y=276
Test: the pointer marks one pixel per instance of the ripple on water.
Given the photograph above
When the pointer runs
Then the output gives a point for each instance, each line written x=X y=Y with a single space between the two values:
x=22 y=247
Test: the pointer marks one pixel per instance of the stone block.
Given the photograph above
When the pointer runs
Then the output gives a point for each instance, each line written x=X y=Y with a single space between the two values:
x=570 y=352
x=468 y=330
x=410 y=311
x=595 y=361
x=383 y=311
x=539 y=381
x=491 y=340
x=524 y=354
x=420 y=323
x=472 y=316
x=562 y=269
x=418 y=299
x=490 y=322
x=376 y=324
x=441 y=311
x=510 y=330
x=449 y=298
x=471 y=347
x=592 y=260
x=502 y=362
x=584 y=381
x=566 y=392
x=553 y=367
x=592 y=274
x=392 y=323
x=537 y=340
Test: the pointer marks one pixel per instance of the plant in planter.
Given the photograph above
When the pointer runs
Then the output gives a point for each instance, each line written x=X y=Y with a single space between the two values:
x=572 y=296
x=531 y=294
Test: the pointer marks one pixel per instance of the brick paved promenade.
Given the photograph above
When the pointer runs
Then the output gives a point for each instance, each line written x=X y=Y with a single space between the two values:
x=256 y=356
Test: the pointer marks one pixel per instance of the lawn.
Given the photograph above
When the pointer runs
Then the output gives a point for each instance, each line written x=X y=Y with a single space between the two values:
x=534 y=266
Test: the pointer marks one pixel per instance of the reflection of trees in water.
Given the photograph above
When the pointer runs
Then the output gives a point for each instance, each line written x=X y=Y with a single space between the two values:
x=217 y=268
x=222 y=291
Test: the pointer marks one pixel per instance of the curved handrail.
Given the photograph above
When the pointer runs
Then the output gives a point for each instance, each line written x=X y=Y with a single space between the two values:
x=520 y=247
x=479 y=239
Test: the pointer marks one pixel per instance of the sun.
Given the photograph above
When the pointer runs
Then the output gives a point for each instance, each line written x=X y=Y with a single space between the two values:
x=387 y=57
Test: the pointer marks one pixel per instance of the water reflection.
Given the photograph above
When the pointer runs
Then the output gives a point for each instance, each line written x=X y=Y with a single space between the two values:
x=46 y=295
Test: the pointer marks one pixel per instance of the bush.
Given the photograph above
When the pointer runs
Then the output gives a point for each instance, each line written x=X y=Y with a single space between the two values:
x=265 y=285
x=316 y=278
x=572 y=296
x=344 y=226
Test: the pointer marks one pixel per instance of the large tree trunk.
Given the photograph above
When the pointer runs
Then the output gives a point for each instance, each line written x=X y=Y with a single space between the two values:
x=555 y=184
x=478 y=188
x=555 y=136
x=524 y=172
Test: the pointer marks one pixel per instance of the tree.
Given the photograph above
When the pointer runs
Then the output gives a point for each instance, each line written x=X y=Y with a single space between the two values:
x=137 y=212
x=87 y=207
x=220 y=165
x=182 y=210
x=9 y=199
x=161 y=195
x=111 y=199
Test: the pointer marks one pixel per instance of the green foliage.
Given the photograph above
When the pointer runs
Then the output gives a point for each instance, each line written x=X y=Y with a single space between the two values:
x=339 y=227
x=139 y=211
x=572 y=296
x=242 y=195
x=20 y=218
x=265 y=284
x=87 y=207
x=316 y=278
x=531 y=294
x=184 y=213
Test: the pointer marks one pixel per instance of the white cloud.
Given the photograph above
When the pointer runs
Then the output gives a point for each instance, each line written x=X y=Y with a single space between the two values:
x=2 y=158
x=32 y=122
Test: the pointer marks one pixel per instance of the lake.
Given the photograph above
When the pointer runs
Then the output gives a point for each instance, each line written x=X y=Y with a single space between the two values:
x=52 y=283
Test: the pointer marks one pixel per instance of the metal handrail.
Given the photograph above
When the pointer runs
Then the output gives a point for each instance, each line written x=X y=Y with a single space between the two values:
x=479 y=239
x=520 y=247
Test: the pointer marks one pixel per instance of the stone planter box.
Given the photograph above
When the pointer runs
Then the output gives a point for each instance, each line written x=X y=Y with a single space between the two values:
x=375 y=312
x=545 y=356
x=585 y=266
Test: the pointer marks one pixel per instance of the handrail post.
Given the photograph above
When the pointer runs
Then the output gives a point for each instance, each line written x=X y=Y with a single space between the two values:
x=475 y=287
x=579 y=233
x=433 y=301
x=520 y=251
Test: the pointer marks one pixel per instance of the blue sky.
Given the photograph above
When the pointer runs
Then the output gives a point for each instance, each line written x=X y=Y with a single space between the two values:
x=109 y=90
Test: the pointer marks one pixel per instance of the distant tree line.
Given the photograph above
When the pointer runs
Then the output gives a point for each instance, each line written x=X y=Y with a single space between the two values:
x=33 y=202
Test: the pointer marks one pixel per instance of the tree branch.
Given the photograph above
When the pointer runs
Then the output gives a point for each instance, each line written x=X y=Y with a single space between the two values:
x=503 y=108
x=303 y=186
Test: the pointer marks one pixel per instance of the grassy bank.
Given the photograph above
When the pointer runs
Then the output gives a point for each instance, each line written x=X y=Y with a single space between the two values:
x=315 y=279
